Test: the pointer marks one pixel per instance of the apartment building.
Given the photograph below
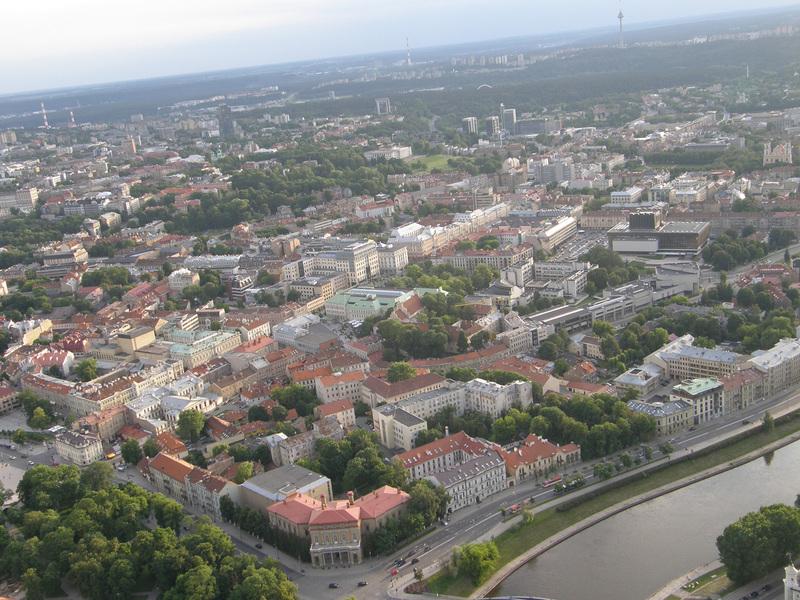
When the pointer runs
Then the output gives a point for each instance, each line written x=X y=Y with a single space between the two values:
x=440 y=456
x=374 y=390
x=338 y=386
x=780 y=365
x=704 y=394
x=472 y=481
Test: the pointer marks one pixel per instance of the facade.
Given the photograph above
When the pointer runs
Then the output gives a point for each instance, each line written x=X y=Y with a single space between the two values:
x=742 y=389
x=331 y=388
x=644 y=380
x=335 y=528
x=341 y=409
x=472 y=481
x=536 y=455
x=704 y=394
x=670 y=417
x=780 y=365
x=79 y=448
x=374 y=390
x=440 y=456
x=392 y=259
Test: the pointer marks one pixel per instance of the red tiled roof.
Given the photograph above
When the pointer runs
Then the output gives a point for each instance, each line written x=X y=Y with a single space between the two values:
x=172 y=467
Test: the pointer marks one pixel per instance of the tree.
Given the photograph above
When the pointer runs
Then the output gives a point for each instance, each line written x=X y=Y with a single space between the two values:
x=666 y=448
x=478 y=560
x=131 y=452
x=560 y=366
x=97 y=476
x=243 y=472
x=86 y=370
x=745 y=297
x=39 y=420
x=768 y=424
x=219 y=449
x=424 y=501
x=196 y=584
x=279 y=413
x=19 y=436
x=479 y=339
x=601 y=329
x=190 y=424
x=759 y=542
x=400 y=371
x=263 y=455
x=427 y=436
x=462 y=345
x=168 y=512
x=33 y=584
x=150 y=448
x=548 y=351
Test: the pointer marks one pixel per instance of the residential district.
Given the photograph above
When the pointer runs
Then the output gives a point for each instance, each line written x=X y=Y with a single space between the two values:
x=346 y=321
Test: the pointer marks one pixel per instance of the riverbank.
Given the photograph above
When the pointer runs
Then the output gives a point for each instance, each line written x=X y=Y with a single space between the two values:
x=668 y=480
x=518 y=543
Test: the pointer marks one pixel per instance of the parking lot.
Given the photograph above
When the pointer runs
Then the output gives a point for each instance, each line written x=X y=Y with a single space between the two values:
x=580 y=244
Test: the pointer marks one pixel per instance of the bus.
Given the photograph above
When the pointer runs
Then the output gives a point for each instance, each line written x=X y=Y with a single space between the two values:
x=551 y=482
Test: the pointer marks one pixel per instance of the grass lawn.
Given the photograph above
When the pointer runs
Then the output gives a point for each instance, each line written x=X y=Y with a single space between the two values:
x=547 y=523
x=437 y=161
x=704 y=579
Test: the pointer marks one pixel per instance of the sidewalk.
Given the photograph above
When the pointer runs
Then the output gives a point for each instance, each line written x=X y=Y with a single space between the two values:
x=675 y=586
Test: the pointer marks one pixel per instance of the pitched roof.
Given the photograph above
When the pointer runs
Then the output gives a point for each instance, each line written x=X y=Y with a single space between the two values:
x=172 y=467
x=337 y=406
x=392 y=390
x=457 y=441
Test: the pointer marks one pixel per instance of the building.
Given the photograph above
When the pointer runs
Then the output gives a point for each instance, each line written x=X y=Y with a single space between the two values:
x=742 y=389
x=331 y=388
x=644 y=380
x=469 y=125
x=472 y=481
x=440 y=456
x=341 y=409
x=269 y=487
x=304 y=445
x=335 y=528
x=670 y=417
x=780 y=365
x=375 y=391
x=79 y=448
x=383 y=105
x=704 y=394
x=392 y=259
x=534 y=456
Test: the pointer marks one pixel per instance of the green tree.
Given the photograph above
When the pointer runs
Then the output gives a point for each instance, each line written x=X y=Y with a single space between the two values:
x=33 y=584
x=462 y=344
x=759 y=542
x=168 y=512
x=768 y=423
x=263 y=455
x=745 y=297
x=150 y=448
x=427 y=436
x=478 y=560
x=86 y=370
x=666 y=448
x=190 y=424
x=39 y=420
x=131 y=452
x=400 y=371
x=601 y=329
x=548 y=351
x=424 y=501
x=219 y=449
x=479 y=340
x=19 y=436
x=97 y=476
x=243 y=472
x=196 y=584
x=560 y=366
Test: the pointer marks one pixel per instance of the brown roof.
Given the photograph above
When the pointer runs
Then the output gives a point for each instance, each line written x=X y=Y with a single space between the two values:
x=392 y=390
x=337 y=406
x=172 y=467
x=457 y=441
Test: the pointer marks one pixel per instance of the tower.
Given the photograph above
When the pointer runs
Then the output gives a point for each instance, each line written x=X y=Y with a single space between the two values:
x=408 y=53
x=620 y=16
x=71 y=119
x=225 y=119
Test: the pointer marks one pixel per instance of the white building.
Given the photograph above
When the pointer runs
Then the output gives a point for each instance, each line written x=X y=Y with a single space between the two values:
x=473 y=481
x=78 y=448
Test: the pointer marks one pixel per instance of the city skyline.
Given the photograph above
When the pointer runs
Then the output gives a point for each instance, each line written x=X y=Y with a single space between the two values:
x=84 y=42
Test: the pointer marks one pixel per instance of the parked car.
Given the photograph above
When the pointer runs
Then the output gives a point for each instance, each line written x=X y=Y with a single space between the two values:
x=745 y=422
x=259 y=546
x=414 y=561
x=333 y=586
x=394 y=571
x=362 y=583
x=31 y=463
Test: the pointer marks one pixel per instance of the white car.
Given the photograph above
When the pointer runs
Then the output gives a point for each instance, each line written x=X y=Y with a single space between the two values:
x=31 y=463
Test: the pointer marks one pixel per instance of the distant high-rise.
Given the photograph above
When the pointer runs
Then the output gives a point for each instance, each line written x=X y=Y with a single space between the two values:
x=384 y=106
x=225 y=121
x=620 y=16
x=493 y=124
x=508 y=119
x=469 y=125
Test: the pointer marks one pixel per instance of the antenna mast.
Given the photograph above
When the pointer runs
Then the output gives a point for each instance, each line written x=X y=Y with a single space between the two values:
x=408 y=53
x=620 y=16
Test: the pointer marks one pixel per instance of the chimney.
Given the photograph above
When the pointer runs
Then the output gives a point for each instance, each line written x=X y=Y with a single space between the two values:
x=324 y=502
x=446 y=431
x=350 y=500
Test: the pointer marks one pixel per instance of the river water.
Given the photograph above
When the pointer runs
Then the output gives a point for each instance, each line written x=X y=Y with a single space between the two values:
x=633 y=554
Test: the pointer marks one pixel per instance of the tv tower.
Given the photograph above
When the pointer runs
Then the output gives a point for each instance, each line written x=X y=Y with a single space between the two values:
x=408 y=53
x=44 y=116
x=71 y=118
x=620 y=16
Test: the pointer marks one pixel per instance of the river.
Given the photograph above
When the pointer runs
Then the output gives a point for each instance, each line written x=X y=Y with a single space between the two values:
x=633 y=554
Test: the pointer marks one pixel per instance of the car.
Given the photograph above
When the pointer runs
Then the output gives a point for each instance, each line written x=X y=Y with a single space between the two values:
x=414 y=561
x=394 y=571
x=55 y=464
x=12 y=458
x=31 y=463
x=766 y=588
x=745 y=422
x=410 y=554
x=754 y=594
x=692 y=428
x=362 y=583
x=333 y=586
x=401 y=562
x=259 y=546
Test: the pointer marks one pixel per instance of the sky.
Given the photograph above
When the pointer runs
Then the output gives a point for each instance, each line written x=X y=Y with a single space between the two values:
x=50 y=44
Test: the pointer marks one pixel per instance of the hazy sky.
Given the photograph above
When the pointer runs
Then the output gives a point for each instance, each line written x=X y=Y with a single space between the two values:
x=56 y=43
